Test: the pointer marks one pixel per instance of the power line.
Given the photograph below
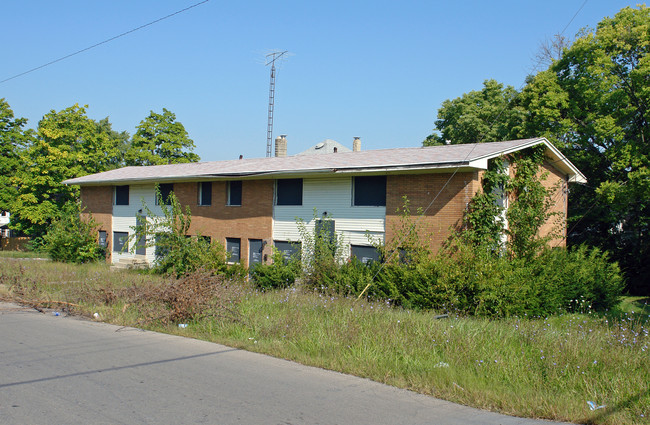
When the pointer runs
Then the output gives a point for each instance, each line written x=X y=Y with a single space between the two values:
x=104 y=42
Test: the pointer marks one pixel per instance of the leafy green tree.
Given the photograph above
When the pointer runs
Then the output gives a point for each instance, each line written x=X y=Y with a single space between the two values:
x=160 y=139
x=68 y=145
x=13 y=140
x=488 y=115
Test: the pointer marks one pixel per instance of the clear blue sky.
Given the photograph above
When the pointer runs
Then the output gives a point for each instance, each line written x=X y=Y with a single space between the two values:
x=374 y=69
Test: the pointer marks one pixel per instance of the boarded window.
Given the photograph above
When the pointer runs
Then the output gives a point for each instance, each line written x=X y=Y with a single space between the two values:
x=205 y=193
x=165 y=190
x=122 y=195
x=365 y=254
x=234 y=192
x=288 y=192
x=103 y=238
x=120 y=240
x=233 y=247
x=369 y=191
x=289 y=250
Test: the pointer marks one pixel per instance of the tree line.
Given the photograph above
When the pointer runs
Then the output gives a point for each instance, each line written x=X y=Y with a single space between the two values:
x=592 y=102
x=68 y=144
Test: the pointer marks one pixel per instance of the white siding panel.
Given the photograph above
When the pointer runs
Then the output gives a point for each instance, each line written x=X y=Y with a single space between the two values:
x=124 y=216
x=334 y=196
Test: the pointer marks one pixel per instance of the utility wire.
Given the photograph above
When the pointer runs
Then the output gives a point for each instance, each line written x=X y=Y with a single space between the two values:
x=104 y=42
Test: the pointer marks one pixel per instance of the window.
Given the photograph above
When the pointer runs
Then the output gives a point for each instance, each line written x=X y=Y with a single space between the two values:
x=205 y=193
x=288 y=192
x=234 y=193
x=120 y=240
x=369 y=191
x=162 y=246
x=365 y=254
x=289 y=250
x=233 y=246
x=165 y=190
x=102 y=239
x=121 y=195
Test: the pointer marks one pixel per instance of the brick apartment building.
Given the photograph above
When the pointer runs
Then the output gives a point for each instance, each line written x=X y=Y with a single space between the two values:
x=250 y=205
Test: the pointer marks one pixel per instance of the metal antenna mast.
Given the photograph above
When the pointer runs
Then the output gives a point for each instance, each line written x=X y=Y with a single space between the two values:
x=271 y=58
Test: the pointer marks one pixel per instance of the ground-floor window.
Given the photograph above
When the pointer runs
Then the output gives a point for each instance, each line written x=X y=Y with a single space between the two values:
x=364 y=253
x=289 y=250
x=120 y=240
x=233 y=247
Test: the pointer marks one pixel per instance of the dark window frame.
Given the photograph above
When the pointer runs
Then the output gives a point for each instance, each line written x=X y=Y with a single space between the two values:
x=289 y=192
x=205 y=194
x=121 y=196
x=369 y=191
x=290 y=250
x=234 y=193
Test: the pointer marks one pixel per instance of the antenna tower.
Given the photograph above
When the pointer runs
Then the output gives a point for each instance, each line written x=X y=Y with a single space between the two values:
x=271 y=58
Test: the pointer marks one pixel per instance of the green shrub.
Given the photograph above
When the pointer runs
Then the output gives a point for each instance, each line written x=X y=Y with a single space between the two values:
x=281 y=273
x=71 y=239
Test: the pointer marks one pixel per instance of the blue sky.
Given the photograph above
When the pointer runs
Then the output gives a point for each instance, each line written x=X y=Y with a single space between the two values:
x=374 y=69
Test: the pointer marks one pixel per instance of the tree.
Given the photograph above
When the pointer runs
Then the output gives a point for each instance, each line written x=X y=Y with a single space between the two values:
x=13 y=139
x=488 y=115
x=593 y=103
x=68 y=145
x=160 y=139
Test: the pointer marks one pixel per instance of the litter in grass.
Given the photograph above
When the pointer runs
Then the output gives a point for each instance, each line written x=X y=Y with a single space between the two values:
x=442 y=364
x=56 y=313
x=594 y=406
x=182 y=325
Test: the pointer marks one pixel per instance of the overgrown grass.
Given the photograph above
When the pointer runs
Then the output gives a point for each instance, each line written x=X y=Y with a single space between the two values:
x=22 y=254
x=532 y=367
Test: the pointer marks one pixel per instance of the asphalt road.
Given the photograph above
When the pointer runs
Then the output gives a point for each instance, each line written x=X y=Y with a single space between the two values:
x=63 y=370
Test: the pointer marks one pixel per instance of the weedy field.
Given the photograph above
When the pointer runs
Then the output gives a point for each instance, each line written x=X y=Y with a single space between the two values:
x=583 y=368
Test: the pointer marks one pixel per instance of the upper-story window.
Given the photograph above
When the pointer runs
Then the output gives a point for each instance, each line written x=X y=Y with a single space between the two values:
x=234 y=192
x=205 y=193
x=288 y=192
x=121 y=195
x=369 y=191
x=165 y=190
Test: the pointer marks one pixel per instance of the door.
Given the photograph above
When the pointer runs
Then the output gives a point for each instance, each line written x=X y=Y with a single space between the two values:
x=255 y=248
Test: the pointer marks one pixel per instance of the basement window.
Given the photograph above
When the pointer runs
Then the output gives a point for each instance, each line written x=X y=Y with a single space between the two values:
x=166 y=189
x=234 y=193
x=369 y=191
x=205 y=193
x=121 y=195
x=288 y=192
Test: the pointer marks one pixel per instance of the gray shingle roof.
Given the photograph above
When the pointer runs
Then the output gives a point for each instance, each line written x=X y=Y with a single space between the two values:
x=466 y=156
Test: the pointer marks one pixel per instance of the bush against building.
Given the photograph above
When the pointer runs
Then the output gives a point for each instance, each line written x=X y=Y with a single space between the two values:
x=73 y=239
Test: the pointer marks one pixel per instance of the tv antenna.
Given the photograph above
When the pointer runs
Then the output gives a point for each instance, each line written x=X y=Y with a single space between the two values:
x=271 y=58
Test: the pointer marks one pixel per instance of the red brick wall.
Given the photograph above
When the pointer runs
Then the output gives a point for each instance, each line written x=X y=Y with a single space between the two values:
x=445 y=212
x=556 y=183
x=98 y=201
x=252 y=220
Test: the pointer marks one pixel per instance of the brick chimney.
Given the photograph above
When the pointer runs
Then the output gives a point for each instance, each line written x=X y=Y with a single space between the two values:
x=356 y=144
x=281 y=145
